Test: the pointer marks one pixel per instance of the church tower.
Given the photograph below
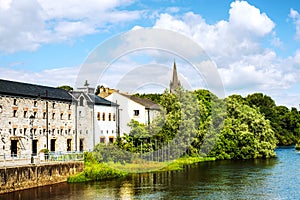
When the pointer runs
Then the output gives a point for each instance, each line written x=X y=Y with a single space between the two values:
x=175 y=83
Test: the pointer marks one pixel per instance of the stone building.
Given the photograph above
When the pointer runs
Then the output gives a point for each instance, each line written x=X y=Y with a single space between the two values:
x=35 y=117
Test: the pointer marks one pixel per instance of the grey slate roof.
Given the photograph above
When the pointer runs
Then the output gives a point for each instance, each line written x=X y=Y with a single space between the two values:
x=19 y=89
x=101 y=101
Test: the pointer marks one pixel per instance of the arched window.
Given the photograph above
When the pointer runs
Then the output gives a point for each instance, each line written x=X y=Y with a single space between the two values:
x=98 y=116
x=81 y=101
x=103 y=116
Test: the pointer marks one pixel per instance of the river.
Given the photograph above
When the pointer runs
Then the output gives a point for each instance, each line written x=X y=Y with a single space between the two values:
x=277 y=178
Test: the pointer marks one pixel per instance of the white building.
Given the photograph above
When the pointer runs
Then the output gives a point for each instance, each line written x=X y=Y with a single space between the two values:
x=96 y=118
x=131 y=107
x=106 y=120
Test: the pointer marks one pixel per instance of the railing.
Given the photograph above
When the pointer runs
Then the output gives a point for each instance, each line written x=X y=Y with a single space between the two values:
x=42 y=158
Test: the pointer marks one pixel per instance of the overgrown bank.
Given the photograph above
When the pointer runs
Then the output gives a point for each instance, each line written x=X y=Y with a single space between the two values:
x=96 y=171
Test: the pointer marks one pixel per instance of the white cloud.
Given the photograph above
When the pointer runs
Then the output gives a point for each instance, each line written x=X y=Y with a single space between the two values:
x=27 y=24
x=60 y=76
x=296 y=18
x=245 y=66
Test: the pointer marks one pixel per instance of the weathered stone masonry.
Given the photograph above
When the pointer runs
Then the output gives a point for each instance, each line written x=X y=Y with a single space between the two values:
x=30 y=176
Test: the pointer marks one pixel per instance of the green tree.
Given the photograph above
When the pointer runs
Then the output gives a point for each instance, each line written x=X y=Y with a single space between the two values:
x=246 y=134
x=66 y=87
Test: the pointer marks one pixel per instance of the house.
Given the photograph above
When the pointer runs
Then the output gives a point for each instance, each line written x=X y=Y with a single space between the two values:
x=133 y=108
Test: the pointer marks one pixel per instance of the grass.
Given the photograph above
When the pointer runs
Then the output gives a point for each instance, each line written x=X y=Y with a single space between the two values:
x=94 y=171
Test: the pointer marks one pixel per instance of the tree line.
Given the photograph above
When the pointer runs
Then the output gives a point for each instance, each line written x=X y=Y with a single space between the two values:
x=198 y=123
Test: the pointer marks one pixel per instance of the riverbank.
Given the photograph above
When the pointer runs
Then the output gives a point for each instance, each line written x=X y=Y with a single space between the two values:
x=95 y=171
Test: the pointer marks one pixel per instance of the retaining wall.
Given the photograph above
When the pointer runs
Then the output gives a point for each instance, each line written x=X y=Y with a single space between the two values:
x=30 y=176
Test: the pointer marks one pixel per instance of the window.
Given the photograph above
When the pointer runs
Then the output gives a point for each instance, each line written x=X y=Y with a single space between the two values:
x=44 y=115
x=53 y=115
x=14 y=113
x=98 y=116
x=44 y=131
x=15 y=102
x=35 y=103
x=136 y=113
x=25 y=129
x=25 y=114
x=69 y=106
x=53 y=105
x=14 y=131
x=35 y=114
x=69 y=116
x=109 y=116
x=102 y=139
x=0 y=109
x=114 y=117
x=111 y=140
x=81 y=101
x=61 y=115
x=61 y=131
x=103 y=116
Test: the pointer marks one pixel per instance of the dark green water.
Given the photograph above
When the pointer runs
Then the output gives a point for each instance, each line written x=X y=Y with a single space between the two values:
x=257 y=179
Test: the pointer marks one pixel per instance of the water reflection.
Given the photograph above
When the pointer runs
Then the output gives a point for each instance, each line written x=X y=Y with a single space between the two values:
x=256 y=179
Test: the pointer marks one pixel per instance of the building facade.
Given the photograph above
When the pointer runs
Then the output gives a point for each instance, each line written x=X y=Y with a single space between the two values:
x=35 y=117
x=133 y=108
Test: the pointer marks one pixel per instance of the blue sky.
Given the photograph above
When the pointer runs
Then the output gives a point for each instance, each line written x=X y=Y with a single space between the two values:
x=255 y=44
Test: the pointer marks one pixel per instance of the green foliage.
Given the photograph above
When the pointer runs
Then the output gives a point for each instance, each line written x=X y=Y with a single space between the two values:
x=285 y=123
x=153 y=97
x=66 y=87
x=246 y=134
x=95 y=171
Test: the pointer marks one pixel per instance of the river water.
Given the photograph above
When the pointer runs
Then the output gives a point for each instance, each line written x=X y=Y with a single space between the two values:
x=277 y=178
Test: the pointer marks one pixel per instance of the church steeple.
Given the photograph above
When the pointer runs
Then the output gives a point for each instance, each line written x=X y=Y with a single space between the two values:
x=175 y=83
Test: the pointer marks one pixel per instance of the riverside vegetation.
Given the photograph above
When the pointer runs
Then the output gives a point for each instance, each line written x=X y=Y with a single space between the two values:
x=193 y=127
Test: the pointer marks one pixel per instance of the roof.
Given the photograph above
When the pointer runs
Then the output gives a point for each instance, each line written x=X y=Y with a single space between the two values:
x=20 y=89
x=101 y=101
x=145 y=102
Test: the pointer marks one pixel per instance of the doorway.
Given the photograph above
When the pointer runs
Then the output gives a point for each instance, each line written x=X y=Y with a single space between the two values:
x=52 y=145
x=34 y=147
x=14 y=148
x=81 y=145
x=69 y=144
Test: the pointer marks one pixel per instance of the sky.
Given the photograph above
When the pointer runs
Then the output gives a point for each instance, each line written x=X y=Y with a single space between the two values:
x=254 y=44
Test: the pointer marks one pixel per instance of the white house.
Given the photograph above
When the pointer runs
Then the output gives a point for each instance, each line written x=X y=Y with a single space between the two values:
x=131 y=107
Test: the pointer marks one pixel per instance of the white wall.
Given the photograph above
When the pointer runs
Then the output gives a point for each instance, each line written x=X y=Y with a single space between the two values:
x=105 y=128
x=127 y=108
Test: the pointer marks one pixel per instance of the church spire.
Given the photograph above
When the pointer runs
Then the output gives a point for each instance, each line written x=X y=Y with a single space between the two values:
x=175 y=83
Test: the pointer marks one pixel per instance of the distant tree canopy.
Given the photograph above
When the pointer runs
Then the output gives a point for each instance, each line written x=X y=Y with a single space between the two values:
x=284 y=122
x=66 y=87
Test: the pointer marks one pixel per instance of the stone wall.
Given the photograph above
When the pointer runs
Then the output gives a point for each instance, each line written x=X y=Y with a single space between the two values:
x=30 y=176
